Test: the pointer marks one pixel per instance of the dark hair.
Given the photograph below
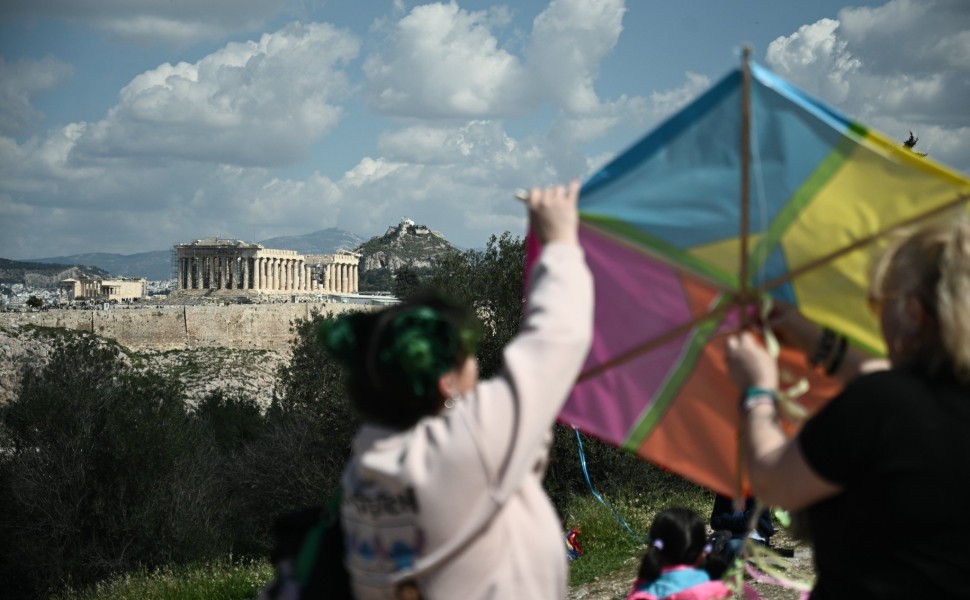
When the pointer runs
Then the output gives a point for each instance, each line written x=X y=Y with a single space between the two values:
x=394 y=357
x=721 y=555
x=677 y=537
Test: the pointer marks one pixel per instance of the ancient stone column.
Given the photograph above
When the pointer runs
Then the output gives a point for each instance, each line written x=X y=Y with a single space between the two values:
x=355 y=279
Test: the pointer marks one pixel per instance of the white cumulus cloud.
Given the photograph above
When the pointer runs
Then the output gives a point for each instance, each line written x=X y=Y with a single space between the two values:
x=257 y=103
x=897 y=67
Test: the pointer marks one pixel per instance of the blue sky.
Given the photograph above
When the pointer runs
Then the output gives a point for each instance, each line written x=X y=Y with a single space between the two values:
x=131 y=125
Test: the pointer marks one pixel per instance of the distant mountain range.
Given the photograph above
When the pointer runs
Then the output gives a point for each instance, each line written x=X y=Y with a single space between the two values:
x=43 y=275
x=414 y=244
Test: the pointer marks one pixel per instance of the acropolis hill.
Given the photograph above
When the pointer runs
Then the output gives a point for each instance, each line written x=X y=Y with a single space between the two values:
x=239 y=295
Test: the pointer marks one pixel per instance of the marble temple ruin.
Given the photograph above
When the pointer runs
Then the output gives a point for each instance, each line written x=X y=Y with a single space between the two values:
x=234 y=265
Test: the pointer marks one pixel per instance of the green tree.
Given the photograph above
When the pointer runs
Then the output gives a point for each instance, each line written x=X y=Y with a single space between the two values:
x=102 y=470
x=376 y=280
x=492 y=282
x=299 y=455
x=406 y=281
x=34 y=302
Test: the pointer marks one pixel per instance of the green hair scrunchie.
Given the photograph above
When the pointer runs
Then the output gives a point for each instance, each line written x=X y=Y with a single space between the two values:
x=418 y=345
x=424 y=346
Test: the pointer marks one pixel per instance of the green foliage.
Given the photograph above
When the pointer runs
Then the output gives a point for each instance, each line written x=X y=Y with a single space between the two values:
x=34 y=302
x=611 y=471
x=232 y=422
x=607 y=545
x=220 y=580
x=376 y=280
x=104 y=470
x=406 y=281
x=492 y=282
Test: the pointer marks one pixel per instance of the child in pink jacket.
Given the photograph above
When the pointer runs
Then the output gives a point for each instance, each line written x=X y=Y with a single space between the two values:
x=673 y=567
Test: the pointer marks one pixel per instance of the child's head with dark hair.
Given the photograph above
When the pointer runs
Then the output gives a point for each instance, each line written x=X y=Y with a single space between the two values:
x=678 y=536
x=394 y=358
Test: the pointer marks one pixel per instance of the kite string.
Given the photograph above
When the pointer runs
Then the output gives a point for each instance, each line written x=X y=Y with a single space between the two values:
x=616 y=513
x=797 y=387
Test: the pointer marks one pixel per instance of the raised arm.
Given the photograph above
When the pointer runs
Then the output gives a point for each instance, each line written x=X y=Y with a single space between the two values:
x=515 y=410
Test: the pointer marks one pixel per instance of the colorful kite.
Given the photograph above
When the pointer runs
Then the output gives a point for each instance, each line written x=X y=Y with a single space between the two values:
x=753 y=190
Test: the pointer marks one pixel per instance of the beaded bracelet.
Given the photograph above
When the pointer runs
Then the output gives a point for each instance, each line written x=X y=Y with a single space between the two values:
x=756 y=396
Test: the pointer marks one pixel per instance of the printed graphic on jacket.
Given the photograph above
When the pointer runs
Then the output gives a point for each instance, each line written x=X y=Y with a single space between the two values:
x=380 y=528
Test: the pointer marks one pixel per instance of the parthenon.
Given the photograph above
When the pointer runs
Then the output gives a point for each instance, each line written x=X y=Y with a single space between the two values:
x=224 y=264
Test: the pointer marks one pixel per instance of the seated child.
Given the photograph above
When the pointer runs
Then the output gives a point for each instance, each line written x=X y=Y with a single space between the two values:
x=674 y=564
x=724 y=517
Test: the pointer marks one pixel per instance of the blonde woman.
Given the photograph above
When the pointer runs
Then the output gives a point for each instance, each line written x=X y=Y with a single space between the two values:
x=881 y=470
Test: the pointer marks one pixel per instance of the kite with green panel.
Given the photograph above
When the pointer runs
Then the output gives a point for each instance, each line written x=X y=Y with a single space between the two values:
x=661 y=228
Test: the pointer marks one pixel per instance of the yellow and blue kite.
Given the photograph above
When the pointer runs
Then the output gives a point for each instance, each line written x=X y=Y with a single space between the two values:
x=753 y=190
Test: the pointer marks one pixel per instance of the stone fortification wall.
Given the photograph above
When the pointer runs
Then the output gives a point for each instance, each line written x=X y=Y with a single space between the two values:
x=236 y=326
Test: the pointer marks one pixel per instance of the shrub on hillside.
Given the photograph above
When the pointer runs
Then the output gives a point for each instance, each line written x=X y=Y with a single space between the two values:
x=298 y=457
x=102 y=470
x=492 y=282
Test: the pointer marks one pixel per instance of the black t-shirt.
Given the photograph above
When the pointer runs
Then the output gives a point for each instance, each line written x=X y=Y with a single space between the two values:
x=900 y=446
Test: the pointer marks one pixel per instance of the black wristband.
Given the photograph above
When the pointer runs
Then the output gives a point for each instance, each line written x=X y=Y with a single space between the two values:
x=837 y=358
x=824 y=347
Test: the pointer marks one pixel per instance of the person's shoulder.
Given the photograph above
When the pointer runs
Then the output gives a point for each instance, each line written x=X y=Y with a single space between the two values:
x=887 y=383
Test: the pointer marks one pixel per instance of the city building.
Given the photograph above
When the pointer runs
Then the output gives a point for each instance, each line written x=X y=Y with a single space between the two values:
x=108 y=290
